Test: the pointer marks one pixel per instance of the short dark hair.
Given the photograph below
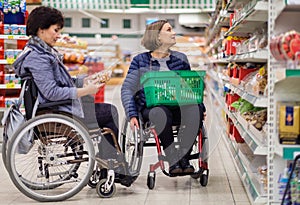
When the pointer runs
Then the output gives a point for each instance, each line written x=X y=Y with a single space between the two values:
x=43 y=17
x=150 y=39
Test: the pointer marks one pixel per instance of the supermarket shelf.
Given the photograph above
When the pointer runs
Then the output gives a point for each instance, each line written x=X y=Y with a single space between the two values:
x=233 y=3
x=14 y=37
x=287 y=84
x=255 y=140
x=215 y=45
x=3 y=61
x=222 y=60
x=287 y=152
x=259 y=56
x=11 y=86
x=254 y=18
x=248 y=178
x=257 y=101
x=281 y=6
x=220 y=78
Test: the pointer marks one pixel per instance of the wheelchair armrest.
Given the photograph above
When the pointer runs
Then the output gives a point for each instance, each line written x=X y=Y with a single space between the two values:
x=51 y=104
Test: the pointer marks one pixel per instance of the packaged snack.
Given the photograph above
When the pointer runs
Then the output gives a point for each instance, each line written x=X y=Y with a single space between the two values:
x=103 y=76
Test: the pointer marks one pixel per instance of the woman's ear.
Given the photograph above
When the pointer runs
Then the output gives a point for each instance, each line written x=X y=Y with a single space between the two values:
x=40 y=32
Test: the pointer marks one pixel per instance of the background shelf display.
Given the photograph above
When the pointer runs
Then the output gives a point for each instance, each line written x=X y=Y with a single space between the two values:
x=251 y=151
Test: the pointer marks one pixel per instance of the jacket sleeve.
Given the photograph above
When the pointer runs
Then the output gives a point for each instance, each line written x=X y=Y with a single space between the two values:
x=52 y=83
x=129 y=89
x=79 y=80
x=186 y=63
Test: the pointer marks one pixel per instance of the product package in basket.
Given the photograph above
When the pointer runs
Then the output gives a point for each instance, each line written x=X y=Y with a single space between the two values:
x=173 y=88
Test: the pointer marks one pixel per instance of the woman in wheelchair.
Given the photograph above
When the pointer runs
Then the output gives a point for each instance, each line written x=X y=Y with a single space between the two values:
x=54 y=83
x=158 y=38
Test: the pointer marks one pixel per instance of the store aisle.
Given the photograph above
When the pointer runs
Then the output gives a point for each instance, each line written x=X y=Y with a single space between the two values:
x=224 y=185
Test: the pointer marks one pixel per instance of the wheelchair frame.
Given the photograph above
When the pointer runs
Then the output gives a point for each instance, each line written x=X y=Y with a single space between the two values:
x=134 y=141
x=62 y=158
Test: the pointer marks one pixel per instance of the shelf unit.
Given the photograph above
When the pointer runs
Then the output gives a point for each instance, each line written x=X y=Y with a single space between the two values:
x=253 y=152
x=283 y=85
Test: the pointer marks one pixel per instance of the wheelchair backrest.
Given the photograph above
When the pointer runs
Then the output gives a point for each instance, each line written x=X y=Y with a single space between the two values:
x=30 y=95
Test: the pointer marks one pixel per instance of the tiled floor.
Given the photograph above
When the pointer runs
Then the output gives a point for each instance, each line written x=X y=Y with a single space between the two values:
x=224 y=185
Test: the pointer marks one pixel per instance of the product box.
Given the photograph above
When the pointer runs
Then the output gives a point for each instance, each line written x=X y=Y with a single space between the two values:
x=289 y=119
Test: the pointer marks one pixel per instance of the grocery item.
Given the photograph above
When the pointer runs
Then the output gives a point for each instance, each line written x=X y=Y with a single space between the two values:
x=103 y=76
x=286 y=46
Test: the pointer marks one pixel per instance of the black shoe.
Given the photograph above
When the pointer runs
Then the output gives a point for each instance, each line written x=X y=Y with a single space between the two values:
x=186 y=166
x=175 y=169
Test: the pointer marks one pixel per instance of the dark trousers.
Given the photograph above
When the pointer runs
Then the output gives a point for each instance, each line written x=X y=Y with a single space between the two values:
x=107 y=116
x=190 y=118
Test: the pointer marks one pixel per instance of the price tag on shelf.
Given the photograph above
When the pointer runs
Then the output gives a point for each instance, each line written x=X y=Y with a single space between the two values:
x=10 y=85
x=10 y=37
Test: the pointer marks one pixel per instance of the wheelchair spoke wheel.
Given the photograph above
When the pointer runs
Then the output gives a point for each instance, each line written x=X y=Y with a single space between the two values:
x=57 y=164
x=132 y=148
x=4 y=149
x=203 y=154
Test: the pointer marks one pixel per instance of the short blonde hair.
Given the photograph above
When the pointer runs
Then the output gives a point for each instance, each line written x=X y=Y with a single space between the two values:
x=150 y=38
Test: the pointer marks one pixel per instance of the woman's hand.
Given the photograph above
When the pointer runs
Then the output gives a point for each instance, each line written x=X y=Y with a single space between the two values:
x=90 y=87
x=134 y=123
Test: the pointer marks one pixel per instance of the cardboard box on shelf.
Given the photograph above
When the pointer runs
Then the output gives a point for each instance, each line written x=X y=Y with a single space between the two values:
x=289 y=119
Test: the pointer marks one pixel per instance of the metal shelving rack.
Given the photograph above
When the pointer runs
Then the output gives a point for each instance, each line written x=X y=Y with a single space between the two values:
x=283 y=85
x=255 y=141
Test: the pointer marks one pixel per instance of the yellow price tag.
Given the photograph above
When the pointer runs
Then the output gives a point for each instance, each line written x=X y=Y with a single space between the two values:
x=10 y=37
x=10 y=60
x=10 y=85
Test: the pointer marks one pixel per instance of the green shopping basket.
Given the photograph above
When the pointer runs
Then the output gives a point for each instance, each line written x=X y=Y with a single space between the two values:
x=173 y=88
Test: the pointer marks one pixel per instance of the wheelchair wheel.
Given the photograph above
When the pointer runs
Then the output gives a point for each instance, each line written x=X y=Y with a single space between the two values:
x=151 y=180
x=132 y=147
x=101 y=190
x=4 y=149
x=94 y=179
x=204 y=180
x=58 y=164
x=199 y=171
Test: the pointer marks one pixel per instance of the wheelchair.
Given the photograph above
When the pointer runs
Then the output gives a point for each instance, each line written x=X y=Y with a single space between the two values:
x=134 y=141
x=167 y=88
x=61 y=159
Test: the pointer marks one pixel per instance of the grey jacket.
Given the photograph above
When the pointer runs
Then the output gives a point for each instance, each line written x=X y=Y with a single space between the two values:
x=52 y=79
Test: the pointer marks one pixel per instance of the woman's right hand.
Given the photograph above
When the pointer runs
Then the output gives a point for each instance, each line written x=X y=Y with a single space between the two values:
x=90 y=88
x=134 y=123
x=93 y=86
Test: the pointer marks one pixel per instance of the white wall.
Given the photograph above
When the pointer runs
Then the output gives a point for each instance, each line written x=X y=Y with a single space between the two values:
x=138 y=22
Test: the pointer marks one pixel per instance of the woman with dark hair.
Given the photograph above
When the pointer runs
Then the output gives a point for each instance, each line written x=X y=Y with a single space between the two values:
x=54 y=83
x=158 y=38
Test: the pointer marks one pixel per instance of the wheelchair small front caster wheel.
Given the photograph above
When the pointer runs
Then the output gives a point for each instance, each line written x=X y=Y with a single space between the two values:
x=203 y=179
x=151 y=180
x=94 y=179
x=103 y=192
